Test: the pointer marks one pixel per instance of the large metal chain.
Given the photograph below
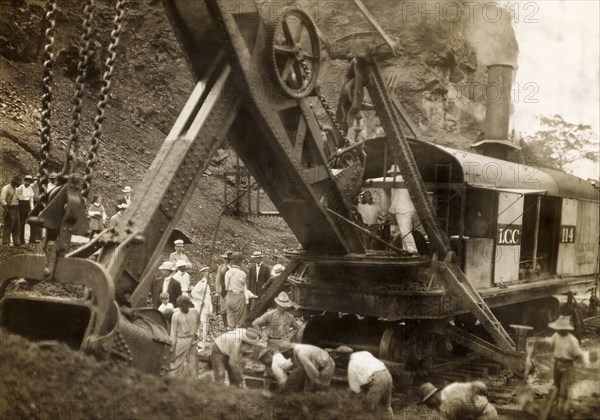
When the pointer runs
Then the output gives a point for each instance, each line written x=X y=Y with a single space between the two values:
x=45 y=136
x=92 y=156
x=331 y=116
x=70 y=165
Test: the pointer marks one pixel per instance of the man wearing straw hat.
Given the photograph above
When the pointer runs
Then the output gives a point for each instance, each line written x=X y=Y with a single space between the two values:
x=459 y=401
x=278 y=322
x=127 y=190
x=566 y=351
x=226 y=355
x=165 y=283
x=182 y=276
x=114 y=220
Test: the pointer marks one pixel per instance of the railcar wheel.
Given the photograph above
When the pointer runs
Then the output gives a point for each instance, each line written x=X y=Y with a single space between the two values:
x=294 y=52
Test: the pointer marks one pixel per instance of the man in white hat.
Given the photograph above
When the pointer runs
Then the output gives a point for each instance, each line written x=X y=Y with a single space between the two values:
x=182 y=276
x=258 y=273
x=226 y=355
x=275 y=272
x=25 y=196
x=114 y=220
x=404 y=209
x=165 y=283
x=459 y=401
x=203 y=303
x=178 y=254
x=278 y=323
x=127 y=190
x=566 y=350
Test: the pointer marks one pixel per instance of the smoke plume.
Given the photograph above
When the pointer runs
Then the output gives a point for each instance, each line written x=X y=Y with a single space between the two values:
x=489 y=31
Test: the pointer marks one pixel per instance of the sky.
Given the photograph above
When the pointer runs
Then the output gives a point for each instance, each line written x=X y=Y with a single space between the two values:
x=559 y=70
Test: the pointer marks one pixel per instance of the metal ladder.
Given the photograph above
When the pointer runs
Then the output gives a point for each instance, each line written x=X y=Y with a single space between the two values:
x=457 y=280
x=453 y=276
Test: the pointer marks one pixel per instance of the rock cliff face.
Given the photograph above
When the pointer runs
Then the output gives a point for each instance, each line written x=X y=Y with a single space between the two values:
x=438 y=77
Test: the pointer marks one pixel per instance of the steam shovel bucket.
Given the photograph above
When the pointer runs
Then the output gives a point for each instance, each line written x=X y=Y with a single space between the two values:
x=87 y=324
x=43 y=318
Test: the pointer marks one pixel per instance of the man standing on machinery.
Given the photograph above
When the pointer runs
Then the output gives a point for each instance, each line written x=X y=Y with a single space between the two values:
x=404 y=209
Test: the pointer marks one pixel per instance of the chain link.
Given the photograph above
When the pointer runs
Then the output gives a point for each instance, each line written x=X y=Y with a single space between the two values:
x=45 y=137
x=331 y=116
x=305 y=68
x=92 y=156
x=70 y=165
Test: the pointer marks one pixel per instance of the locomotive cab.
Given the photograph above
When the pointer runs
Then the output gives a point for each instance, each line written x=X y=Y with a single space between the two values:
x=508 y=223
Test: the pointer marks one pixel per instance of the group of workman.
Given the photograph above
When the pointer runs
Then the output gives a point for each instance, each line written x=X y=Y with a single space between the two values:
x=293 y=367
x=20 y=196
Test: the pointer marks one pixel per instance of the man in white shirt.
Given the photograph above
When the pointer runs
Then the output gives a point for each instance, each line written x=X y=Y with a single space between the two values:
x=10 y=205
x=25 y=196
x=182 y=276
x=277 y=366
x=404 y=209
x=369 y=377
x=178 y=254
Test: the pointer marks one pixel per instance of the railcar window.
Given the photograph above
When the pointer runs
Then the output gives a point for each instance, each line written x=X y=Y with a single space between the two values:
x=479 y=213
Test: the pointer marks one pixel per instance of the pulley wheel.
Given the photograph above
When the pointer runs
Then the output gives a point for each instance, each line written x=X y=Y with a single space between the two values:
x=294 y=52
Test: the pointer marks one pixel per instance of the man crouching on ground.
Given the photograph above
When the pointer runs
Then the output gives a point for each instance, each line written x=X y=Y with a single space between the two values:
x=459 y=401
x=313 y=367
x=226 y=355
x=369 y=377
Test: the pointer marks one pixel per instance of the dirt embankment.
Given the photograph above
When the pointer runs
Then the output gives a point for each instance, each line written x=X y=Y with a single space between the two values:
x=52 y=382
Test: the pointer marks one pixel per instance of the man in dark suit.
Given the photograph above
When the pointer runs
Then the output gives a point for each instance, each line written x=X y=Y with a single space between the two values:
x=166 y=283
x=258 y=273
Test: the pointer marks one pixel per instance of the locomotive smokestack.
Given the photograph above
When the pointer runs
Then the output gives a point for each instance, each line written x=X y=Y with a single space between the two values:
x=497 y=94
x=496 y=142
